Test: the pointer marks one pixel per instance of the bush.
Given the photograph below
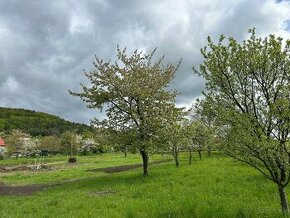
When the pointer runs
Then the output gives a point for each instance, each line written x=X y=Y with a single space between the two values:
x=72 y=160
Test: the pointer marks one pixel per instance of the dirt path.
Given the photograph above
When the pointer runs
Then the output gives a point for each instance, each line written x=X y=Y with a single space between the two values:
x=25 y=190
x=19 y=190
x=122 y=168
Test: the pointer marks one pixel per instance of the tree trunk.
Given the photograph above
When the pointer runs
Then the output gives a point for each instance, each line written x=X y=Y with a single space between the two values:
x=284 y=201
x=176 y=159
x=175 y=155
x=176 y=162
x=209 y=151
x=125 y=153
x=190 y=156
x=145 y=159
x=199 y=154
x=71 y=150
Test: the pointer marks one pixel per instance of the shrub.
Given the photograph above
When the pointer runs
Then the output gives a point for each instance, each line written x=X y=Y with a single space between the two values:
x=72 y=160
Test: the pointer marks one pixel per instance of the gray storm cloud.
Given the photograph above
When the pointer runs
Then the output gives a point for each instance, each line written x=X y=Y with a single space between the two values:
x=46 y=45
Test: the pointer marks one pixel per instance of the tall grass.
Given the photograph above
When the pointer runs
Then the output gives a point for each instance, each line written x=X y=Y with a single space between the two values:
x=211 y=187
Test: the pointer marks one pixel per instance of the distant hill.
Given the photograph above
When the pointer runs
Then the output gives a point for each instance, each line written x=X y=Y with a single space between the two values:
x=37 y=123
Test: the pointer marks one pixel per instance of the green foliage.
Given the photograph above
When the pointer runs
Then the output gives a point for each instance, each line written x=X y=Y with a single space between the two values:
x=51 y=143
x=123 y=140
x=14 y=141
x=205 y=124
x=203 y=111
x=36 y=123
x=134 y=92
x=176 y=137
x=70 y=143
x=200 y=134
x=248 y=85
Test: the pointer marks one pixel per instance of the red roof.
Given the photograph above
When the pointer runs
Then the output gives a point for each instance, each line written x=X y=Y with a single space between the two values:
x=2 y=143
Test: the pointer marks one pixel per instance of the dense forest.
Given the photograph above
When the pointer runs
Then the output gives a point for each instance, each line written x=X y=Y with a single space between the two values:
x=37 y=123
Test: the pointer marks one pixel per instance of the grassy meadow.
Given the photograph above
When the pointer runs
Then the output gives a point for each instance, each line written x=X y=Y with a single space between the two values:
x=215 y=186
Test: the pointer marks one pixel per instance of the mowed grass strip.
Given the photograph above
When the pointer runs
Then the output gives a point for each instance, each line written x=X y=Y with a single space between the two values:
x=69 y=171
x=211 y=187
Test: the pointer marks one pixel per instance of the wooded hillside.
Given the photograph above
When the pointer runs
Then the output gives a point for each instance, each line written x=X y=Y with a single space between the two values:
x=36 y=123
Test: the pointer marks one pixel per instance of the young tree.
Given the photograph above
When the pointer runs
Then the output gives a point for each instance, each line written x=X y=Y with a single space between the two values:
x=248 y=84
x=123 y=140
x=69 y=143
x=51 y=143
x=203 y=112
x=14 y=141
x=30 y=146
x=199 y=136
x=174 y=135
x=134 y=93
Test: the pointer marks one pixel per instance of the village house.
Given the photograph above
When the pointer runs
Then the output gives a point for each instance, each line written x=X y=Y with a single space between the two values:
x=2 y=143
x=2 y=147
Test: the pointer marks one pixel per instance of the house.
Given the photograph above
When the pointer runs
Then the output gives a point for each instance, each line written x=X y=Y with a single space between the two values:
x=2 y=143
x=2 y=148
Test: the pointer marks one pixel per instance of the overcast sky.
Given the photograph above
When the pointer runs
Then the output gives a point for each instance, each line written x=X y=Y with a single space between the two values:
x=46 y=45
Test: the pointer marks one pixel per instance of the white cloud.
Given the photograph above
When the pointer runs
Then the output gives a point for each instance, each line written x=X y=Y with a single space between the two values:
x=10 y=85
